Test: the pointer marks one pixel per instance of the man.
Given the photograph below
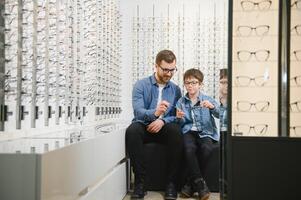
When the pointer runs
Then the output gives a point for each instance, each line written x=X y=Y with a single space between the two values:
x=154 y=99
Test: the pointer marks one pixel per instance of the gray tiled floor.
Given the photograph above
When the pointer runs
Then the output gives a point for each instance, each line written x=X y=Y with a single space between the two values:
x=160 y=196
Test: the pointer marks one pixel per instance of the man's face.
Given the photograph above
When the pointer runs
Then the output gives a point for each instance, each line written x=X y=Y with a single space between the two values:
x=165 y=71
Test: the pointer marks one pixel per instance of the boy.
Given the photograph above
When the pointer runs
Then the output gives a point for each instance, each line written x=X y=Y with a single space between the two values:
x=195 y=113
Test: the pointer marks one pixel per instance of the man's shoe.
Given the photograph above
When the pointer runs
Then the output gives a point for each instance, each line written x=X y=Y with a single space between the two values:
x=202 y=189
x=187 y=191
x=171 y=192
x=139 y=192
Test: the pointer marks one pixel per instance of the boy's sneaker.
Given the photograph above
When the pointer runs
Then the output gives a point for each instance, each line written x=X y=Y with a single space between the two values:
x=187 y=191
x=139 y=192
x=202 y=189
x=171 y=192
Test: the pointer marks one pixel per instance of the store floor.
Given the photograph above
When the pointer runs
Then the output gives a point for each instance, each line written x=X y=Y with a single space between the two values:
x=160 y=196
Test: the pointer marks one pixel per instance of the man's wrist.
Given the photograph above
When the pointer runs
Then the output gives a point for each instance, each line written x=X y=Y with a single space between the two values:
x=164 y=122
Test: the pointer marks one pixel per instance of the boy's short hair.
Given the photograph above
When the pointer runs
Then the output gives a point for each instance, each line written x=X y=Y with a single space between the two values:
x=196 y=73
x=223 y=73
x=166 y=55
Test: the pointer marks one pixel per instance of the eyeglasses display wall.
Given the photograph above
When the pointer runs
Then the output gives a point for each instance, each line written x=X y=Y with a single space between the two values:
x=255 y=68
x=198 y=41
x=295 y=70
x=60 y=62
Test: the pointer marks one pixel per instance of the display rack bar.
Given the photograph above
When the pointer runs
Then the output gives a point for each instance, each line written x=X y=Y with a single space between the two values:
x=34 y=65
x=283 y=74
x=19 y=64
x=57 y=53
x=46 y=103
x=2 y=64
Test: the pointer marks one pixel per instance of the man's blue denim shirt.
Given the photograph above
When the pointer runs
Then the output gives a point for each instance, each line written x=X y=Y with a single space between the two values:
x=204 y=119
x=145 y=97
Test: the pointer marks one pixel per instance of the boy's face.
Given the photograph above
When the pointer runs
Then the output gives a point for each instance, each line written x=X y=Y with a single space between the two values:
x=192 y=85
x=223 y=86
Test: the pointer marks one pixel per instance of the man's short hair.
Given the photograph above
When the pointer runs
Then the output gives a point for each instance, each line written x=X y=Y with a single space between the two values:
x=196 y=73
x=166 y=55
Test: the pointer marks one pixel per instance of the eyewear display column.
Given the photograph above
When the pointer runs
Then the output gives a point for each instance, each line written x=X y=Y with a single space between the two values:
x=295 y=69
x=255 y=68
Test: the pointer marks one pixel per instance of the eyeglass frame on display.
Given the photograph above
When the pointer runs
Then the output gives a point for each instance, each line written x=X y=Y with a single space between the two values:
x=296 y=78
x=254 y=104
x=296 y=3
x=297 y=106
x=297 y=54
x=250 y=80
x=296 y=27
x=253 y=53
x=252 y=127
x=251 y=30
x=256 y=4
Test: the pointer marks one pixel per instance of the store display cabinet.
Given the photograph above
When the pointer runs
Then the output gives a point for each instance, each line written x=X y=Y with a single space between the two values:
x=264 y=132
x=65 y=165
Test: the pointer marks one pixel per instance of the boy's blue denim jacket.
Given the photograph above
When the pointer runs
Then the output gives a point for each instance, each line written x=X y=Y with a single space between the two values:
x=223 y=117
x=145 y=97
x=204 y=119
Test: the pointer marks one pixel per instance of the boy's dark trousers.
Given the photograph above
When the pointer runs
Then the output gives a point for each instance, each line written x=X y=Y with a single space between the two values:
x=197 y=151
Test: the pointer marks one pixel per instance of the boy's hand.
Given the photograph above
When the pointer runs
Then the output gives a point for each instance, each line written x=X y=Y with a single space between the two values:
x=180 y=114
x=161 y=108
x=207 y=104
x=155 y=126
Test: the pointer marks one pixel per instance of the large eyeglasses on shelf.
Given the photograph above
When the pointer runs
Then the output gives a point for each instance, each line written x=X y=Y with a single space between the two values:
x=295 y=106
x=297 y=54
x=296 y=81
x=297 y=29
x=296 y=130
x=260 y=106
x=261 y=30
x=258 y=129
x=296 y=3
x=245 y=81
x=251 y=5
x=260 y=55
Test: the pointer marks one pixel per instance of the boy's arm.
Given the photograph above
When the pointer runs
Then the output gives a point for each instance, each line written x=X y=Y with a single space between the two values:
x=172 y=117
x=215 y=110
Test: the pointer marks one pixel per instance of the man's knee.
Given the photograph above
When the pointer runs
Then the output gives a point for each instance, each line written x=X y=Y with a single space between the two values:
x=133 y=131
x=174 y=135
x=173 y=128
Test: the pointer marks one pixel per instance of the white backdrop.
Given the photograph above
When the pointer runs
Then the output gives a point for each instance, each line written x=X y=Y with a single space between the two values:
x=196 y=30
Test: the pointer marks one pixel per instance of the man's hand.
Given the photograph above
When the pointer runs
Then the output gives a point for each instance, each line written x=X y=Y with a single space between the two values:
x=161 y=108
x=155 y=126
x=207 y=104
